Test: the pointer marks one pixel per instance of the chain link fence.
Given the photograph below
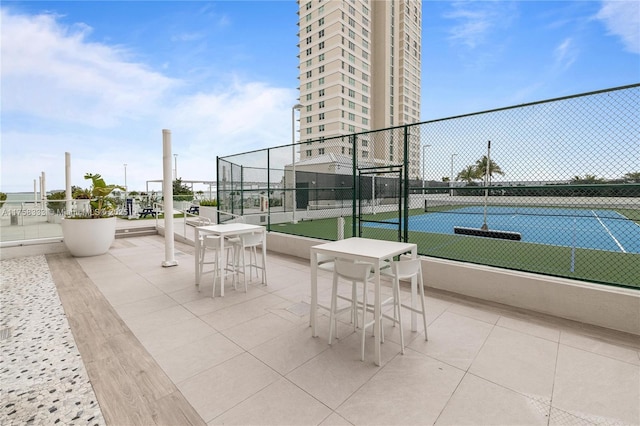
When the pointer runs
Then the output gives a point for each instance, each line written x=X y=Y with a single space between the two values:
x=550 y=187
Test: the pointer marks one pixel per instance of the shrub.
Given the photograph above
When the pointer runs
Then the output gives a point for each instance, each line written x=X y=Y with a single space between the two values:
x=56 y=206
x=209 y=203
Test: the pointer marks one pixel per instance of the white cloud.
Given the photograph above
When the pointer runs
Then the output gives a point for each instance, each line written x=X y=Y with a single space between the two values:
x=62 y=92
x=622 y=19
x=565 y=54
x=476 y=20
x=52 y=72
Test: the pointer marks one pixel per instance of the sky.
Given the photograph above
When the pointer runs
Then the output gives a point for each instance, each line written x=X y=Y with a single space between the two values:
x=102 y=79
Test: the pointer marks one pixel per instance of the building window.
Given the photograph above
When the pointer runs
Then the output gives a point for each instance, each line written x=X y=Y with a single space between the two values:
x=321 y=45
x=309 y=85
x=352 y=128
x=365 y=154
x=321 y=116
x=309 y=51
x=309 y=28
x=320 y=151
x=321 y=57
x=352 y=116
x=309 y=74
x=309 y=108
x=320 y=21
x=321 y=92
x=309 y=130
x=352 y=105
x=309 y=119
x=321 y=69
x=308 y=152
x=320 y=33
x=321 y=128
x=321 y=104
x=309 y=96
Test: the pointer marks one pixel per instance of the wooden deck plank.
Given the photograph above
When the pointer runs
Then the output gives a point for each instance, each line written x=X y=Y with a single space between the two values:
x=130 y=386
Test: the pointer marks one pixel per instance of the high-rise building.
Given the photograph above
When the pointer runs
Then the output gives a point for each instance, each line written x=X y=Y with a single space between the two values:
x=359 y=70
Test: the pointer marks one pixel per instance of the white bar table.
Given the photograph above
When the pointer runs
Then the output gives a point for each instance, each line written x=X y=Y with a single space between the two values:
x=360 y=249
x=227 y=230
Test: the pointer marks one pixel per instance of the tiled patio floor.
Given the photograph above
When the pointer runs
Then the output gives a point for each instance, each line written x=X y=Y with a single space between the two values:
x=250 y=358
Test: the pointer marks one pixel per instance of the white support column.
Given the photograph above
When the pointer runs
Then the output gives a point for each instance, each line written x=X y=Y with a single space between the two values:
x=67 y=182
x=167 y=195
x=43 y=188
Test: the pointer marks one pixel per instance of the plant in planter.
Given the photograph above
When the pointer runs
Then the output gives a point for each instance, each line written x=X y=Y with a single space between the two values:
x=3 y=198
x=209 y=203
x=208 y=209
x=55 y=206
x=91 y=232
x=83 y=199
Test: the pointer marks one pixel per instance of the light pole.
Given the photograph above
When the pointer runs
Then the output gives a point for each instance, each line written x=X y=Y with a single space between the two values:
x=125 y=181
x=451 y=176
x=175 y=166
x=424 y=170
x=293 y=159
x=125 y=190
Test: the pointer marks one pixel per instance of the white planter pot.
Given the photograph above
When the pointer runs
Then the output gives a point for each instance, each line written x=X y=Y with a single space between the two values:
x=88 y=237
x=209 y=212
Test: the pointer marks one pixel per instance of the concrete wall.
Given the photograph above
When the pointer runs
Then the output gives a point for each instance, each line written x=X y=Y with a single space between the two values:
x=599 y=305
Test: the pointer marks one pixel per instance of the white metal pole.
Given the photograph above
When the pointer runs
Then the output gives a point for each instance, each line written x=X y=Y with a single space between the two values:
x=293 y=160
x=40 y=187
x=35 y=193
x=67 y=181
x=175 y=161
x=167 y=194
x=43 y=188
x=451 y=177
x=424 y=157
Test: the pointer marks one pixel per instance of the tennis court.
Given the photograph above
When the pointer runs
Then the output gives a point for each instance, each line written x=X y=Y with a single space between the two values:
x=598 y=229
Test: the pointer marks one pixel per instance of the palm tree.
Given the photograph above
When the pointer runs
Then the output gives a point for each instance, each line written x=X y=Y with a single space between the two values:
x=481 y=168
x=587 y=179
x=468 y=174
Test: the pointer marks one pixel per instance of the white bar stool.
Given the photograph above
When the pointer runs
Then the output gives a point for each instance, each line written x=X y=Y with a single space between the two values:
x=405 y=270
x=244 y=243
x=211 y=243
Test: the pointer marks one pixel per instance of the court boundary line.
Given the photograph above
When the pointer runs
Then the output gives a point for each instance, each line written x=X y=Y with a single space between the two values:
x=615 y=240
